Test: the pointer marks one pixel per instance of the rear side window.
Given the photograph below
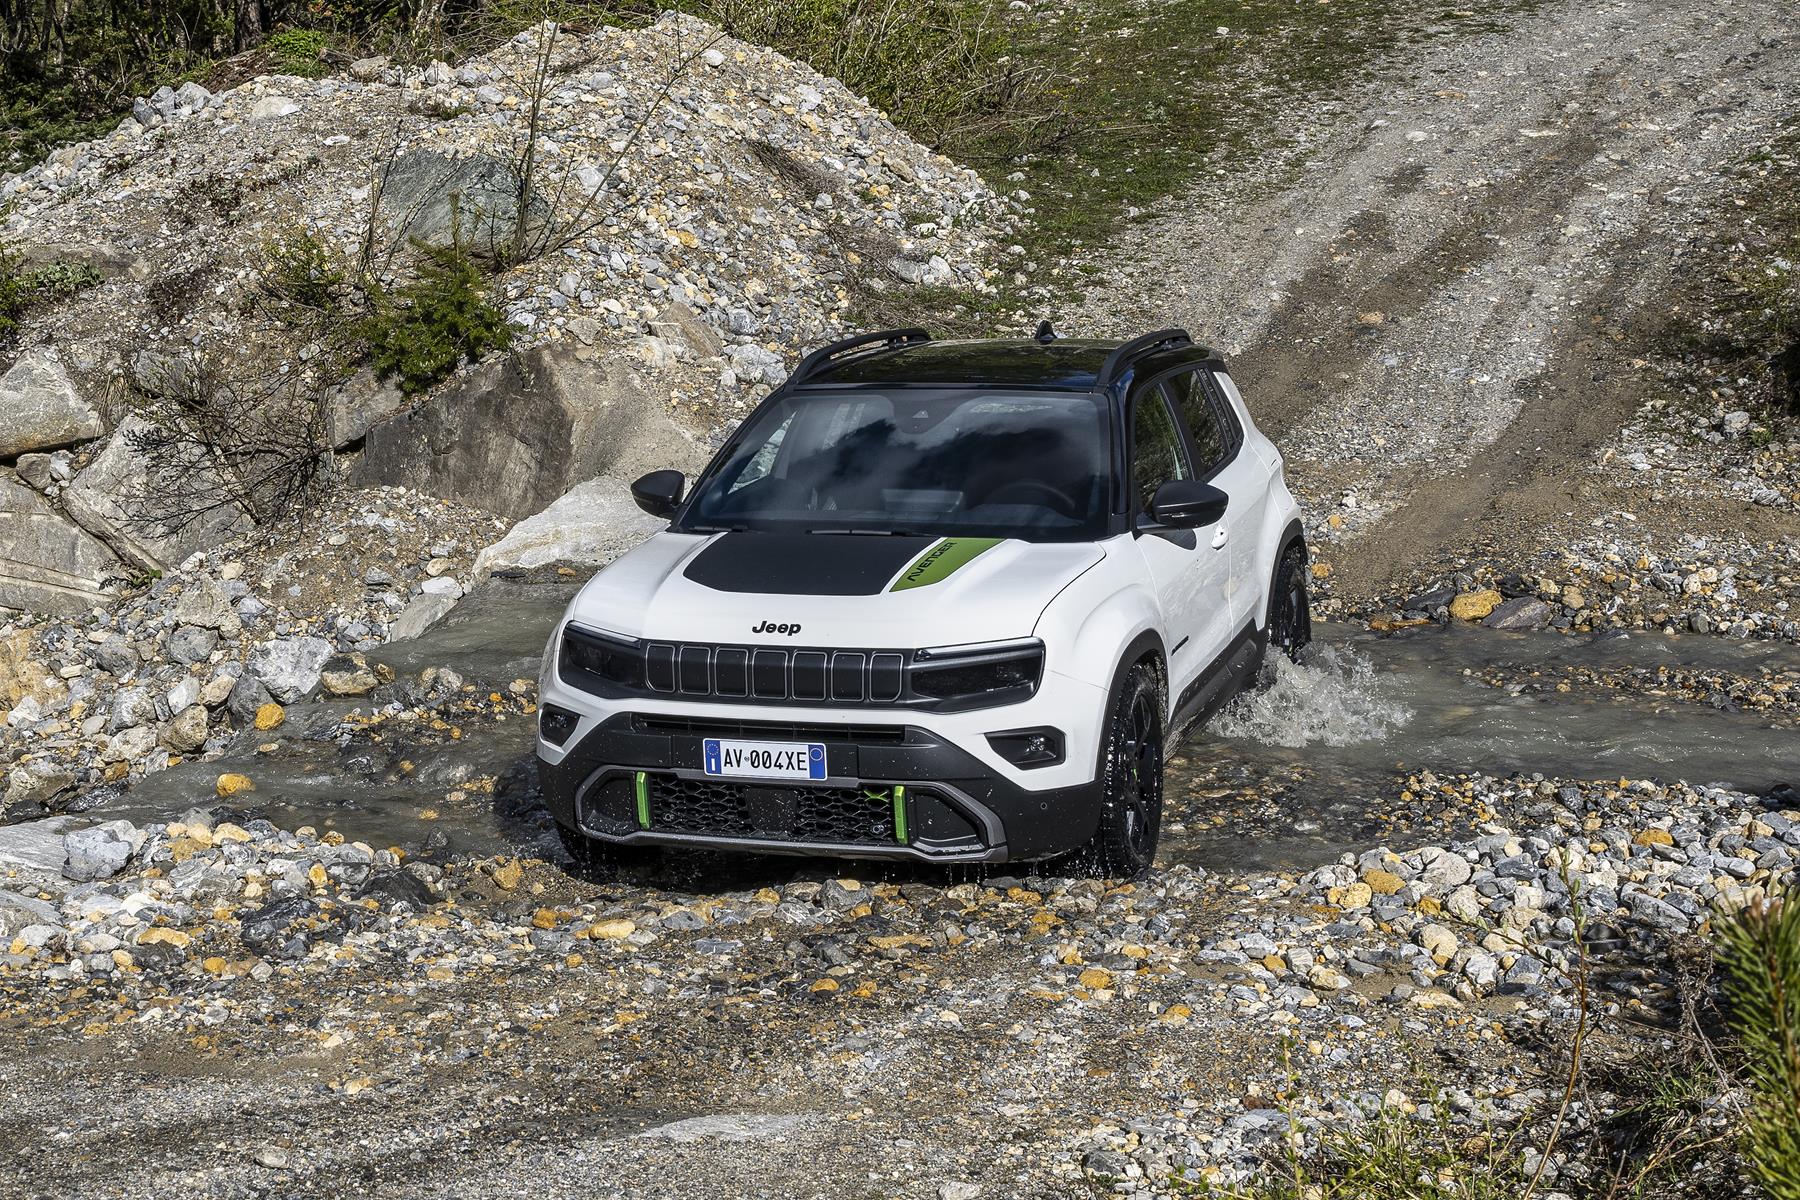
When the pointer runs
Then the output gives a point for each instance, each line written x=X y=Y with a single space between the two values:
x=1157 y=455
x=1203 y=410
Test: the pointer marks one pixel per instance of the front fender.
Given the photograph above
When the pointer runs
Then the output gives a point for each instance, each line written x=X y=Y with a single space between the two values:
x=1089 y=626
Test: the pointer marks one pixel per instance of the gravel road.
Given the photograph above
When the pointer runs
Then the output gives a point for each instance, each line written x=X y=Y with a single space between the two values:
x=1440 y=299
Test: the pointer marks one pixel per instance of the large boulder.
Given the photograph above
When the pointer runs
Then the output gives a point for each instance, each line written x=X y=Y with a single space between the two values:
x=520 y=431
x=472 y=202
x=589 y=527
x=47 y=562
x=151 y=515
x=41 y=409
x=289 y=667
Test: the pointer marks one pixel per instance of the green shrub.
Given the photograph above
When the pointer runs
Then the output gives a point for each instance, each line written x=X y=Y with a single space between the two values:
x=298 y=52
x=24 y=288
x=1759 y=949
x=300 y=276
x=423 y=330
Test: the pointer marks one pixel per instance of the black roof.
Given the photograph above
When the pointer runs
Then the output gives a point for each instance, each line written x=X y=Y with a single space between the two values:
x=1072 y=363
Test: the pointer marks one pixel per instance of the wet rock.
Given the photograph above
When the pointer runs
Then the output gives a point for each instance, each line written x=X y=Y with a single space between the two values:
x=1521 y=612
x=289 y=667
x=346 y=675
x=248 y=695
x=420 y=614
x=1474 y=606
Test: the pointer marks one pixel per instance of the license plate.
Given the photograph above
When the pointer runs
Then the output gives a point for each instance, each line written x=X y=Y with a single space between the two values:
x=733 y=759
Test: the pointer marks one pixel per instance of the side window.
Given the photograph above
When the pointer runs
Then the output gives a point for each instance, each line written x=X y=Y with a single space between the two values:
x=1157 y=455
x=1196 y=395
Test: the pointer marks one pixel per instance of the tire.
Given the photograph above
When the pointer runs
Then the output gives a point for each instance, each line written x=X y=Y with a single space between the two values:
x=1124 y=844
x=1290 y=608
x=594 y=857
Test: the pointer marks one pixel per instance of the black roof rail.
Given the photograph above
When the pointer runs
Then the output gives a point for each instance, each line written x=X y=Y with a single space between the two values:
x=890 y=339
x=1119 y=359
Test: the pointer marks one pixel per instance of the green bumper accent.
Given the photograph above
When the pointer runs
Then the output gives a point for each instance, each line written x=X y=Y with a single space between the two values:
x=643 y=799
x=900 y=815
x=941 y=560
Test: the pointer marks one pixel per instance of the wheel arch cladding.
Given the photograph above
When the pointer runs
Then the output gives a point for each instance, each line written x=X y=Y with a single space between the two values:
x=1294 y=534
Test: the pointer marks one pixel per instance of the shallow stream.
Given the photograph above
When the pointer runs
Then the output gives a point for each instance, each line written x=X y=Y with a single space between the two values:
x=1285 y=777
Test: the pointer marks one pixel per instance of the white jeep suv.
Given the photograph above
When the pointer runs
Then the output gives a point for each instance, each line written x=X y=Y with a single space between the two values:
x=937 y=600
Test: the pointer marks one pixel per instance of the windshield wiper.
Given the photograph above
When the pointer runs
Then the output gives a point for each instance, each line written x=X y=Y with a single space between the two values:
x=871 y=532
x=715 y=529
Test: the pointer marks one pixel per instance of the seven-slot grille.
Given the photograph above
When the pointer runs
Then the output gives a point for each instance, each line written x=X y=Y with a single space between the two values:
x=774 y=673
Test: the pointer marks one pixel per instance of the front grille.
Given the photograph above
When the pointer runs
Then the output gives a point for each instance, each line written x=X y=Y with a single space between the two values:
x=775 y=673
x=887 y=735
x=949 y=679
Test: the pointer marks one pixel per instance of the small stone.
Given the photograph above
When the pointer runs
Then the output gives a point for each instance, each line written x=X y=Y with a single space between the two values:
x=269 y=716
x=1473 y=606
x=233 y=784
x=614 y=930
x=509 y=874
x=1095 y=979
x=1382 y=883
x=1653 y=837
x=1437 y=941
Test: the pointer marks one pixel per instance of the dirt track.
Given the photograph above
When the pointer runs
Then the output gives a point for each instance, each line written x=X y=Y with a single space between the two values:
x=1436 y=305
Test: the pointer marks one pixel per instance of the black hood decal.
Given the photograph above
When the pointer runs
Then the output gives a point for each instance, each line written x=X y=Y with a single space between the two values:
x=803 y=564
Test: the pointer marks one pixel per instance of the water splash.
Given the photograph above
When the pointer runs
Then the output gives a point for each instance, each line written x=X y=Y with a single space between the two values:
x=1333 y=697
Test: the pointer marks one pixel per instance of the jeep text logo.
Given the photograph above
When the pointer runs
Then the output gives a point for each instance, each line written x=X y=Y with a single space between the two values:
x=771 y=627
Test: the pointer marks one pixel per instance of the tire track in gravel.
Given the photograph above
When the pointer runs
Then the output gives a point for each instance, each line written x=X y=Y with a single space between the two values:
x=1436 y=312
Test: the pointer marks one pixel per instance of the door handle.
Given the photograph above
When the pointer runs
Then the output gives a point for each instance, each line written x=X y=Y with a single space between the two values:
x=1218 y=537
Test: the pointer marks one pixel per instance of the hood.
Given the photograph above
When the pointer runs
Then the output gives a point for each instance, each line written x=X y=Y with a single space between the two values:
x=830 y=590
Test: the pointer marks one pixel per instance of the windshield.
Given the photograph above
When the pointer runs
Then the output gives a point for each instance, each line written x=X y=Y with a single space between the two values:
x=951 y=462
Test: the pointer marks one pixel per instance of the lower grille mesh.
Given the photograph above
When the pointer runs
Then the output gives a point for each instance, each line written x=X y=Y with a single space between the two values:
x=852 y=816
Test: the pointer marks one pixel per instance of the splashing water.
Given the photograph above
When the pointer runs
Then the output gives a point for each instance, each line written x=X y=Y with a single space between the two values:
x=1331 y=698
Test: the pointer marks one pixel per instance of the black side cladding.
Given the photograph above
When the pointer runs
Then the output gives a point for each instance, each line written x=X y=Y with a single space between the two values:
x=803 y=564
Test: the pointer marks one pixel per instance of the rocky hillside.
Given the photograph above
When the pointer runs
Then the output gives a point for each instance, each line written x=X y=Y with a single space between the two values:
x=696 y=211
x=677 y=213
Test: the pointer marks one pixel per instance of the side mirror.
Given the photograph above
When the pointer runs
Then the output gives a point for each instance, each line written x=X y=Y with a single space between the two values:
x=1187 y=504
x=659 y=492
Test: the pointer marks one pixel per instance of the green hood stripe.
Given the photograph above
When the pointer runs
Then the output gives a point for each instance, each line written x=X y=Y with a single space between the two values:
x=942 y=560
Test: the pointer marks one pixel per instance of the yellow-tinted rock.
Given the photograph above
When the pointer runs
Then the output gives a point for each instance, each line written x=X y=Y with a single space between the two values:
x=225 y=831
x=1473 y=606
x=1383 y=883
x=1095 y=978
x=1356 y=895
x=231 y=784
x=315 y=874
x=613 y=930
x=544 y=918
x=509 y=873
x=161 y=936
x=826 y=984
x=270 y=715
x=1653 y=837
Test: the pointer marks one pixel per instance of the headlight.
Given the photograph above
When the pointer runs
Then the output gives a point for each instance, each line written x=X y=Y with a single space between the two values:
x=978 y=676
x=611 y=657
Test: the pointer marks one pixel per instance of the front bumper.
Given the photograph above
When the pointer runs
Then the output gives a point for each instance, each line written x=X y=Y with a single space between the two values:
x=890 y=792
